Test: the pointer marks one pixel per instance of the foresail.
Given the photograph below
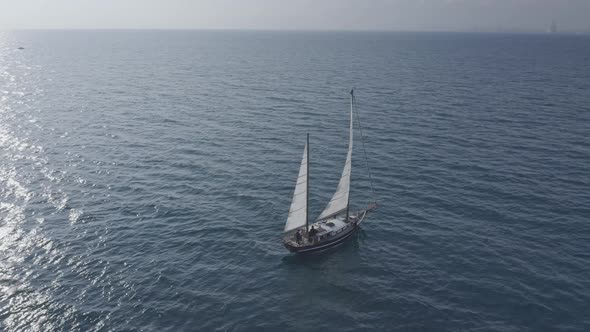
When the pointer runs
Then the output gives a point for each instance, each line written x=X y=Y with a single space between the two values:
x=339 y=201
x=298 y=210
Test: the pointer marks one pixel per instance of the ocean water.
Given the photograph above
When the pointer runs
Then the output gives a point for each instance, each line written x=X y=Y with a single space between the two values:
x=145 y=178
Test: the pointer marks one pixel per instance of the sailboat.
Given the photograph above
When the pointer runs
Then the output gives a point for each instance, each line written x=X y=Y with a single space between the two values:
x=336 y=223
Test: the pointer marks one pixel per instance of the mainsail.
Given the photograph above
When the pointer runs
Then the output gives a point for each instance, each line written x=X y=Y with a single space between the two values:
x=298 y=210
x=339 y=201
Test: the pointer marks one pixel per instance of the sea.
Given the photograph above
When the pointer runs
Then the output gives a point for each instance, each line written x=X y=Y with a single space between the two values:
x=146 y=176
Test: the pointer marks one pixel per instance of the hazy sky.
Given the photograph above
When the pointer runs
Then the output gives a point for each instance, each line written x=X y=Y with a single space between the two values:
x=489 y=15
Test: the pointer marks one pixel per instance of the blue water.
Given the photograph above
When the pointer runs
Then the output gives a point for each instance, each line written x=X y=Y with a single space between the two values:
x=145 y=178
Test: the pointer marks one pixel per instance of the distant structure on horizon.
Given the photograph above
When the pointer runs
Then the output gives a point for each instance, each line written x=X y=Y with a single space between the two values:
x=553 y=27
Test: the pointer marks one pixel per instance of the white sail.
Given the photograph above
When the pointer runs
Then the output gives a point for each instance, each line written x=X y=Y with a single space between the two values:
x=339 y=201
x=298 y=210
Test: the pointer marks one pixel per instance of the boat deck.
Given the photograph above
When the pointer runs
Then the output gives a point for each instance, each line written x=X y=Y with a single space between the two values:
x=326 y=230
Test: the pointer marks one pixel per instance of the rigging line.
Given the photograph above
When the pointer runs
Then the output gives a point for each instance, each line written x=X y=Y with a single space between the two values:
x=364 y=150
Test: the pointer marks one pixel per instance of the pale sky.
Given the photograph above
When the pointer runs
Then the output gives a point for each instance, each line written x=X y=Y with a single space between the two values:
x=416 y=15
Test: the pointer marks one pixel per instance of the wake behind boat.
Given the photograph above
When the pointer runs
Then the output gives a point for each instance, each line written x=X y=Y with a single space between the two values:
x=336 y=223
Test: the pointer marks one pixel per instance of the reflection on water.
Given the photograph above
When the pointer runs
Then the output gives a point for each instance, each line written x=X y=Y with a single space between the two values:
x=30 y=194
x=348 y=247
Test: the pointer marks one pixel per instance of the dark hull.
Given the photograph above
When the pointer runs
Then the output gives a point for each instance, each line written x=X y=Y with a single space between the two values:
x=322 y=245
x=355 y=220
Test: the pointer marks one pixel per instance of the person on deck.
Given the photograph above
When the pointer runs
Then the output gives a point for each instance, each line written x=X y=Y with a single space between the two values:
x=312 y=232
x=298 y=236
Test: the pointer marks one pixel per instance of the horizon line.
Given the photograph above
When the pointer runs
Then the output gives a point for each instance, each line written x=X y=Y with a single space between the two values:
x=483 y=31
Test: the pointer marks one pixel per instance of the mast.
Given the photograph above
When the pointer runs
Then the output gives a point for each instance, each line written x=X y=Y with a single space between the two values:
x=351 y=118
x=339 y=202
x=358 y=117
x=307 y=189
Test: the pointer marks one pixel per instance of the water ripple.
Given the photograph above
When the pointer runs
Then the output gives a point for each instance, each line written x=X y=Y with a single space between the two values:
x=145 y=178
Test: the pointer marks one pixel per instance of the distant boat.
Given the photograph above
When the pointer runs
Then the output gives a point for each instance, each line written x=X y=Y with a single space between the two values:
x=336 y=223
x=553 y=27
x=20 y=48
